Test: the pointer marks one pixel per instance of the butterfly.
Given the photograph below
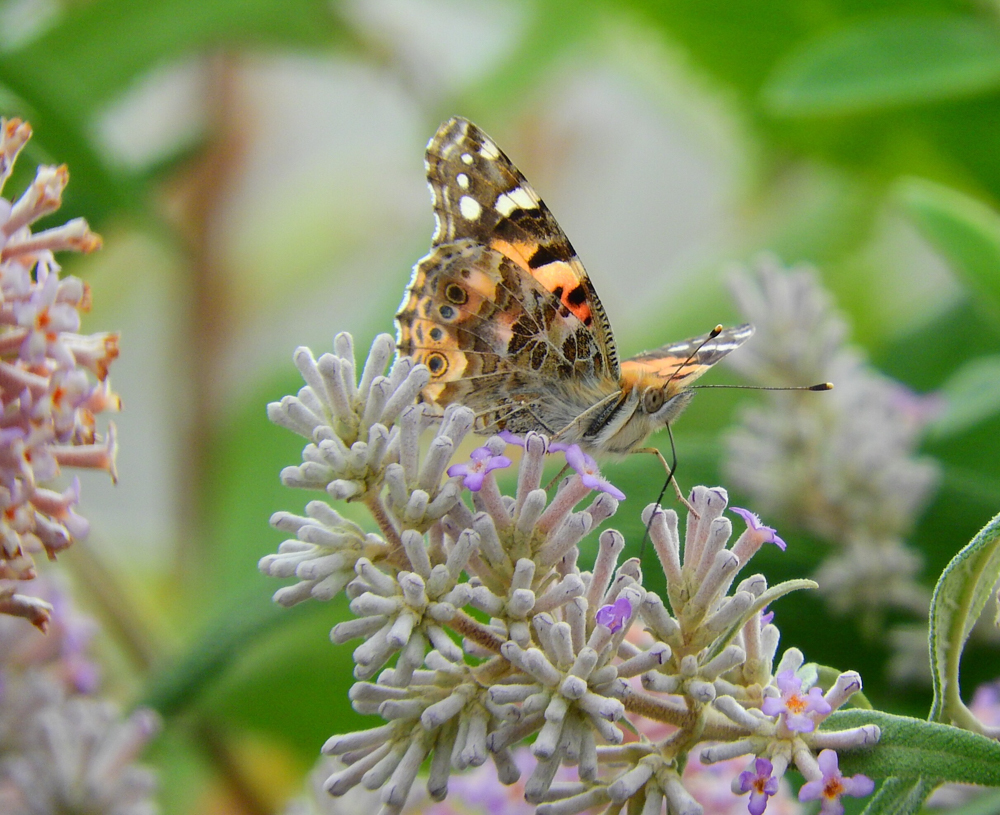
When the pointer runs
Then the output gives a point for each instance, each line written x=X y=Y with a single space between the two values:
x=504 y=316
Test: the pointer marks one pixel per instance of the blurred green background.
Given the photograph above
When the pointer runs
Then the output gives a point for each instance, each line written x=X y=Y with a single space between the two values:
x=255 y=168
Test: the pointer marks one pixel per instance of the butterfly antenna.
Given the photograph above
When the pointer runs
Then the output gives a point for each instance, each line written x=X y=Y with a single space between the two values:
x=680 y=365
x=663 y=491
x=821 y=386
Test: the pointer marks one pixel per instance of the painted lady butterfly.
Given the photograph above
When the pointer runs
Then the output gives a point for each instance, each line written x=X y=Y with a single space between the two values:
x=505 y=318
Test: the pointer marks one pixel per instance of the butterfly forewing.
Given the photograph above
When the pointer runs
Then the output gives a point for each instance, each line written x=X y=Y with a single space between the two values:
x=683 y=362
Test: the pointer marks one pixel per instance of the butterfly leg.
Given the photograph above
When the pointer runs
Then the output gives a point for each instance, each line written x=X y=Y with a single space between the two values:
x=670 y=479
x=494 y=424
x=558 y=475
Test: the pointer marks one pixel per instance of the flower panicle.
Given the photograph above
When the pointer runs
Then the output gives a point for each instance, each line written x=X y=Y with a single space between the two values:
x=476 y=629
x=53 y=380
x=843 y=464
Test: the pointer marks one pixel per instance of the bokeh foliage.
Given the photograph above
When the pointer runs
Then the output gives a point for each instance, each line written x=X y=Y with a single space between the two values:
x=899 y=100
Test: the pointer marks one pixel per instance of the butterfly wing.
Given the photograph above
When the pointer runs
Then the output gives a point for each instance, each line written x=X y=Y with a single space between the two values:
x=501 y=310
x=681 y=363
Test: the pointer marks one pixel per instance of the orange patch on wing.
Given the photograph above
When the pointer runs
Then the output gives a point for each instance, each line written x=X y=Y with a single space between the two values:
x=517 y=252
x=559 y=275
x=656 y=372
x=569 y=277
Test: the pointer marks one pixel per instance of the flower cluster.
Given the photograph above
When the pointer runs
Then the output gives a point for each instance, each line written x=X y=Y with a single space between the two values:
x=841 y=465
x=480 y=630
x=478 y=792
x=65 y=750
x=53 y=380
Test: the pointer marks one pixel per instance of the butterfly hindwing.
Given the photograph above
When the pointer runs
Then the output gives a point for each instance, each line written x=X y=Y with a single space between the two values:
x=491 y=336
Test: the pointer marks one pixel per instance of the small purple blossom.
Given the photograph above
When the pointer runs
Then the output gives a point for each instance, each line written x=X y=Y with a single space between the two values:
x=833 y=785
x=614 y=616
x=521 y=441
x=511 y=438
x=766 y=533
x=795 y=704
x=760 y=784
x=586 y=468
x=482 y=461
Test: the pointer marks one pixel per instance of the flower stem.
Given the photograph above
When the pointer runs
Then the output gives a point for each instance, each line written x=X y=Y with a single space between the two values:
x=397 y=554
x=475 y=631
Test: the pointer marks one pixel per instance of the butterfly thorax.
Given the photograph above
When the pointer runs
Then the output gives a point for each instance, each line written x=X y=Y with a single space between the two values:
x=622 y=422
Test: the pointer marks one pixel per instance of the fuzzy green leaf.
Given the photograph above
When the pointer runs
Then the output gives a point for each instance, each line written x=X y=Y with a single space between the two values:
x=873 y=64
x=962 y=591
x=768 y=597
x=914 y=748
x=900 y=796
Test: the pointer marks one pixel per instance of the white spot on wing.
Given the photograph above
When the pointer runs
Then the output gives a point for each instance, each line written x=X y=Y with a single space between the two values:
x=463 y=181
x=469 y=207
x=467 y=158
x=489 y=150
x=517 y=198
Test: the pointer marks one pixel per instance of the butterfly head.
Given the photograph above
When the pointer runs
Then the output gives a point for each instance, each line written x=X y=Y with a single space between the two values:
x=654 y=405
x=660 y=404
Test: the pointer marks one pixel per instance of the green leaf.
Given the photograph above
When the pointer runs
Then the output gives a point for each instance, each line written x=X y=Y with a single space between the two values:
x=963 y=229
x=971 y=395
x=897 y=61
x=765 y=599
x=900 y=796
x=220 y=646
x=98 y=49
x=914 y=748
x=962 y=591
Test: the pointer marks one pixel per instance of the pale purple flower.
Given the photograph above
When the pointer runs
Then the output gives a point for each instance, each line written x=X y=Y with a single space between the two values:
x=511 y=438
x=48 y=393
x=589 y=474
x=833 y=785
x=766 y=534
x=794 y=704
x=710 y=784
x=985 y=704
x=760 y=784
x=81 y=758
x=482 y=461
x=521 y=441
x=794 y=456
x=614 y=616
